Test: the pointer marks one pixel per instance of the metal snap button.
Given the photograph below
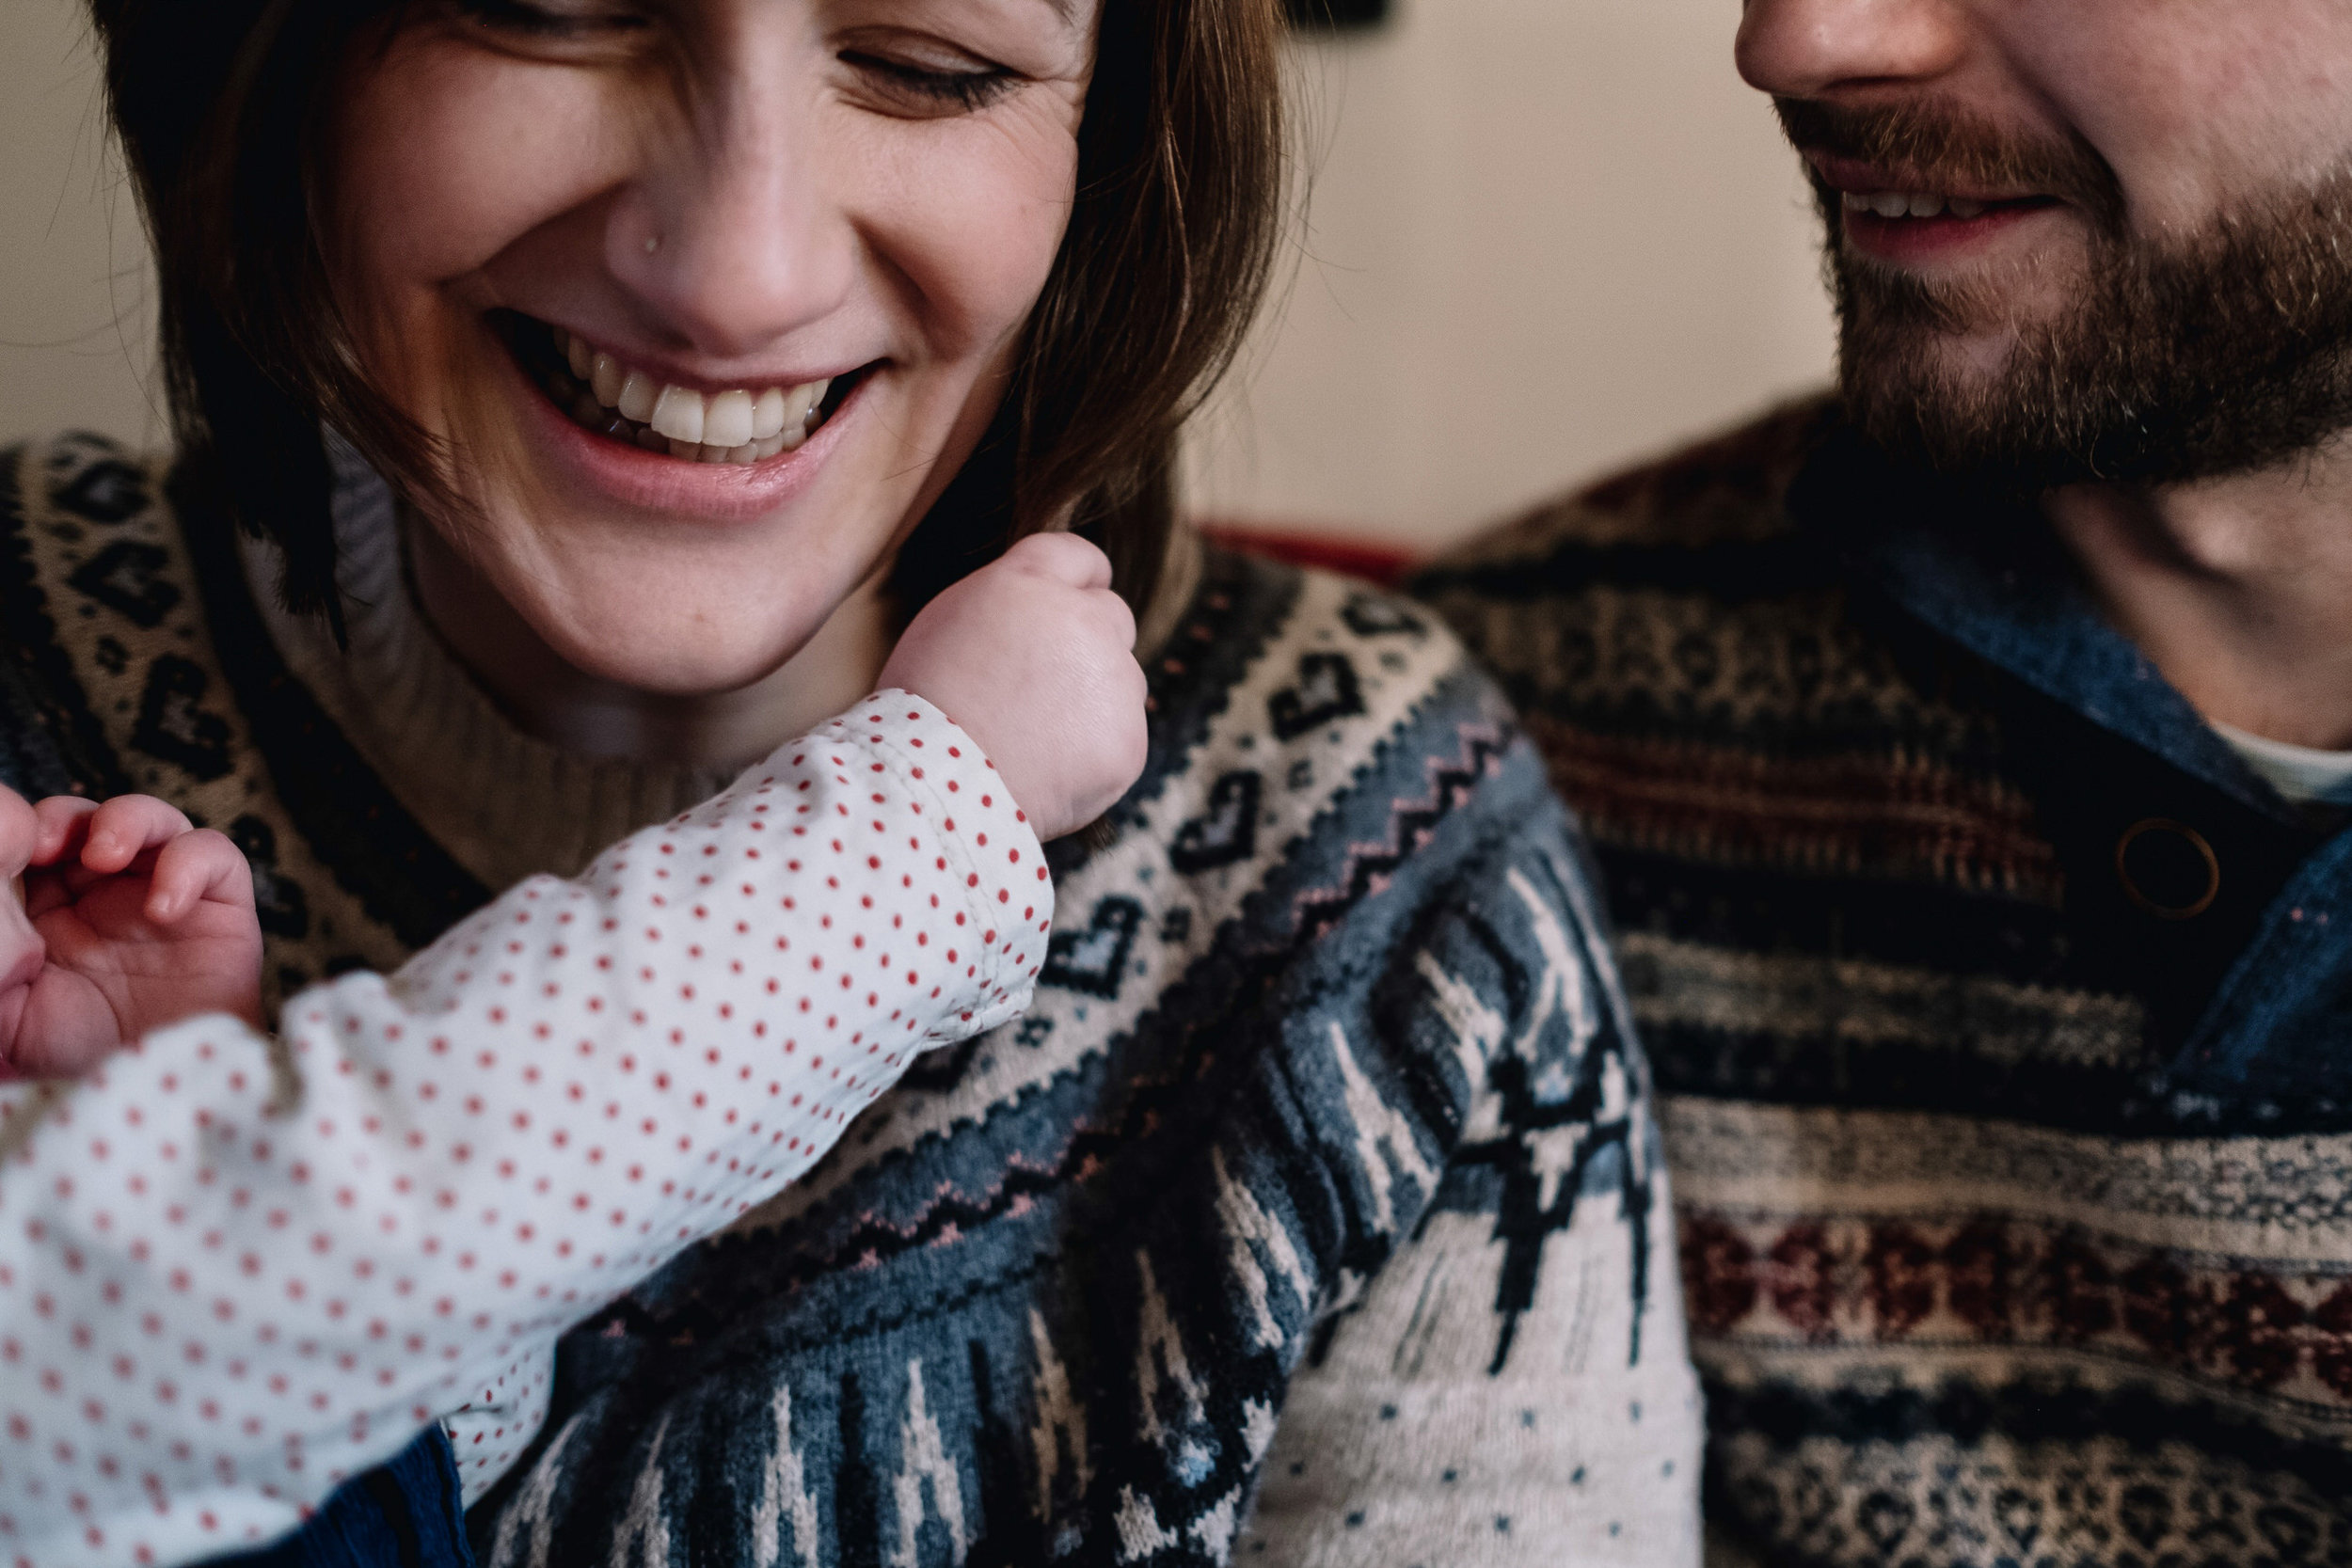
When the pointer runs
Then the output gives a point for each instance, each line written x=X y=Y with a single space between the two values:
x=2167 y=868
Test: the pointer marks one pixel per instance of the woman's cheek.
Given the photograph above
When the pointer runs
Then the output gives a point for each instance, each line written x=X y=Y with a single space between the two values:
x=444 y=156
x=972 y=214
x=441 y=157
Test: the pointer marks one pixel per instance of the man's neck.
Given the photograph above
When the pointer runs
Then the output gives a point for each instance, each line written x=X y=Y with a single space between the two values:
x=2239 y=589
x=552 y=700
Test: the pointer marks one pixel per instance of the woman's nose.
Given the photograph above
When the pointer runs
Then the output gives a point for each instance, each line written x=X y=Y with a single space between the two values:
x=1813 y=48
x=728 y=237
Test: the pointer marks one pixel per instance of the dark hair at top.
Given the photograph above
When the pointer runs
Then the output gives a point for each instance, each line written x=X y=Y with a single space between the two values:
x=218 y=103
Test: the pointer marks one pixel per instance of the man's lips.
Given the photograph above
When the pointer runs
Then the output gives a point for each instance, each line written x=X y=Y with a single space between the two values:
x=1914 y=217
x=1938 y=240
x=1852 y=177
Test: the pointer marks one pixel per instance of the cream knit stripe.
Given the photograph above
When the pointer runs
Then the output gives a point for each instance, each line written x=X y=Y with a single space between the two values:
x=226 y=1287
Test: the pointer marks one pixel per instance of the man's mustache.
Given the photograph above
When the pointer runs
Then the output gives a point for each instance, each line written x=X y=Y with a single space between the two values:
x=1931 y=146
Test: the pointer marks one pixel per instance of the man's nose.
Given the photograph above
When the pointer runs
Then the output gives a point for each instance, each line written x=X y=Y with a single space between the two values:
x=1818 y=48
x=729 y=236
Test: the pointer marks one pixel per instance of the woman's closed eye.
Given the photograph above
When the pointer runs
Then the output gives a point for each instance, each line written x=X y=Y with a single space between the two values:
x=552 y=21
x=920 y=79
x=928 y=83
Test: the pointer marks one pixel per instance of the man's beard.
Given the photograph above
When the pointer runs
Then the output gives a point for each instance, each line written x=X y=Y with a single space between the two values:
x=2223 y=350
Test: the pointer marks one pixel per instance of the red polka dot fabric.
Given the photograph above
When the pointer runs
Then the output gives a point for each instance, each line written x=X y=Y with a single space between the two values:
x=233 y=1274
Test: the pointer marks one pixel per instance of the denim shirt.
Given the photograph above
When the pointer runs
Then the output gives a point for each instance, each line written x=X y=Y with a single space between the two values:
x=2245 y=958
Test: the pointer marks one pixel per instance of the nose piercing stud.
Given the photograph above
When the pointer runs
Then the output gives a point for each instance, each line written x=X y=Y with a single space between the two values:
x=653 y=242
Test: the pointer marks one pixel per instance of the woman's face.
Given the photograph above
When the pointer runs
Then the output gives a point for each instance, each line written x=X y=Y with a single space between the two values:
x=709 y=298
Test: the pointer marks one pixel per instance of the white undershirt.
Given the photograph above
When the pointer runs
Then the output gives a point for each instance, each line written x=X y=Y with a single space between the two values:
x=2304 y=775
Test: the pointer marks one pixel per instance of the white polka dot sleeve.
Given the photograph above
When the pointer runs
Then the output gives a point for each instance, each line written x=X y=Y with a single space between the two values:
x=231 y=1277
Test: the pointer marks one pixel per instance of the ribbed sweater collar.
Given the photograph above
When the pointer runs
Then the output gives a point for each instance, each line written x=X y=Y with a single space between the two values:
x=505 y=804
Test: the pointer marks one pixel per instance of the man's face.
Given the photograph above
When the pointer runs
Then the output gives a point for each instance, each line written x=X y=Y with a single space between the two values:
x=2078 y=240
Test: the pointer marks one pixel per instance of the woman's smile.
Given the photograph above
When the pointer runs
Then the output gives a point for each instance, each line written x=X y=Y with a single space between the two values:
x=603 y=392
x=645 y=437
x=628 y=460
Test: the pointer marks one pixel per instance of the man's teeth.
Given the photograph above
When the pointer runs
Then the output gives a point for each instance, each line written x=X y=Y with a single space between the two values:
x=736 y=426
x=1913 y=204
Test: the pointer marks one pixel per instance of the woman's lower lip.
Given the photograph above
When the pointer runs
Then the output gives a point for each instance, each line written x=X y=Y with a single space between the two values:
x=1936 y=239
x=656 y=482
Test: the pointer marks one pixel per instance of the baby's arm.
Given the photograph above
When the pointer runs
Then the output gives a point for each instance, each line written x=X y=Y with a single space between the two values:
x=231 y=1278
x=229 y=1281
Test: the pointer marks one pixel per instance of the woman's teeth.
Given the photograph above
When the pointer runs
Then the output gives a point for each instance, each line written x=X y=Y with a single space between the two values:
x=738 y=426
x=1913 y=204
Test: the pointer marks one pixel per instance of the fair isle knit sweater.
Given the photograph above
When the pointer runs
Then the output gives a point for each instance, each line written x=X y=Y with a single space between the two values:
x=2000 y=1014
x=1312 y=1214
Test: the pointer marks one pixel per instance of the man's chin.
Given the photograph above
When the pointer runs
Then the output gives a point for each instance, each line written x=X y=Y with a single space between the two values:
x=1957 y=423
x=1954 y=386
x=2220 y=351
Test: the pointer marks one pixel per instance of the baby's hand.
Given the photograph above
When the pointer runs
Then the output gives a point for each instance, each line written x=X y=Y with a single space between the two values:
x=1034 y=655
x=131 y=920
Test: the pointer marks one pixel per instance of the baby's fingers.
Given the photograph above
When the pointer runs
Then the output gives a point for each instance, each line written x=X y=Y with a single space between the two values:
x=195 y=867
x=109 y=836
x=59 y=824
x=20 y=833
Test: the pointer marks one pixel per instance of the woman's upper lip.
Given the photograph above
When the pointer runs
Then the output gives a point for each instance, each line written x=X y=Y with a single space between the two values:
x=673 y=372
x=1856 y=178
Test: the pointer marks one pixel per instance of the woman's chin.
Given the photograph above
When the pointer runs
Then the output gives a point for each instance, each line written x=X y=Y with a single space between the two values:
x=680 y=660
x=702 y=701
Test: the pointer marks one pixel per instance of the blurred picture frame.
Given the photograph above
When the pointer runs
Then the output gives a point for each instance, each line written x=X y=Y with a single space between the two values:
x=1335 y=16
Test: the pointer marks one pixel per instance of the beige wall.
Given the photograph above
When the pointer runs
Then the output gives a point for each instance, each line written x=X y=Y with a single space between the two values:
x=74 y=282
x=1544 y=235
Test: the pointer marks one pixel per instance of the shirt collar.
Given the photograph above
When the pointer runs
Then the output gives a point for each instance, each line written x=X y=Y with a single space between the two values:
x=1986 y=573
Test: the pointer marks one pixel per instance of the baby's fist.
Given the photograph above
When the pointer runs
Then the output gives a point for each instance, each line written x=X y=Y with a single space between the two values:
x=1034 y=655
x=131 y=919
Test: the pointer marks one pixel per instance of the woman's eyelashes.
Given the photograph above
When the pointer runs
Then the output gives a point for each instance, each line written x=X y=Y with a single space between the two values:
x=930 y=89
x=553 y=20
x=922 y=87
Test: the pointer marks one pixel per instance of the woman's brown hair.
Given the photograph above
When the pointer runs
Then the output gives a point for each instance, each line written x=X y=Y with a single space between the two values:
x=219 y=104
